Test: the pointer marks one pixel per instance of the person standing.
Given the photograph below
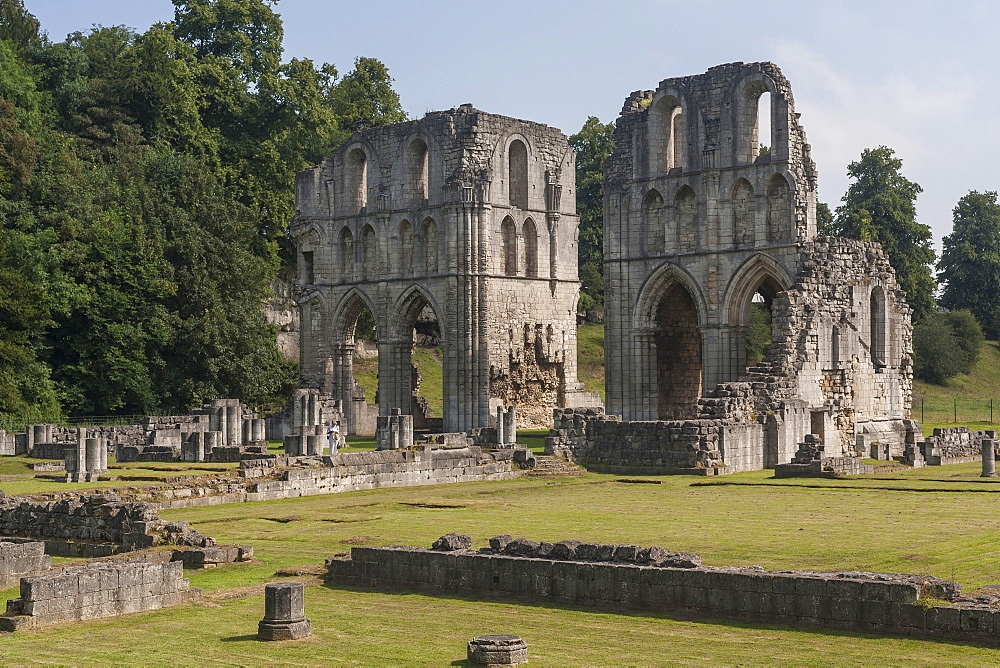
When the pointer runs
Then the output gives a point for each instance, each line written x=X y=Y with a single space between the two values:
x=335 y=438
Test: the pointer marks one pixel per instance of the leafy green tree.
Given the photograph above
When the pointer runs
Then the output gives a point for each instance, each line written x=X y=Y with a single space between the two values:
x=17 y=25
x=593 y=145
x=945 y=344
x=824 y=220
x=970 y=260
x=880 y=206
x=365 y=98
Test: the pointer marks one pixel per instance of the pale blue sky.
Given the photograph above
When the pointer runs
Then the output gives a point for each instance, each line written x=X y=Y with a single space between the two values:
x=919 y=76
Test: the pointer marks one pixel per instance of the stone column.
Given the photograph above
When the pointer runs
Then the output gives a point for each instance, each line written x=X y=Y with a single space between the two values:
x=223 y=422
x=233 y=425
x=213 y=439
x=510 y=426
x=500 y=425
x=284 y=612
x=989 y=459
x=247 y=431
x=95 y=462
x=259 y=430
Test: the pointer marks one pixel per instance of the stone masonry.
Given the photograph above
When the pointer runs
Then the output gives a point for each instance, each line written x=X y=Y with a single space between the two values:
x=699 y=223
x=461 y=217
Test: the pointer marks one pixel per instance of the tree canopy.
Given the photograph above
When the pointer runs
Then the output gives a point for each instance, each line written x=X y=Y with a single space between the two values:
x=145 y=186
x=593 y=145
x=970 y=260
x=880 y=205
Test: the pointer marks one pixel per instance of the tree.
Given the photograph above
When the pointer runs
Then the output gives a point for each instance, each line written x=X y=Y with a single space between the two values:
x=16 y=25
x=365 y=98
x=593 y=145
x=880 y=206
x=945 y=345
x=825 y=226
x=970 y=260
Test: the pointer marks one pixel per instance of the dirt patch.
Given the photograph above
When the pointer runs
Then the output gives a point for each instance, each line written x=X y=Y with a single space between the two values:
x=433 y=505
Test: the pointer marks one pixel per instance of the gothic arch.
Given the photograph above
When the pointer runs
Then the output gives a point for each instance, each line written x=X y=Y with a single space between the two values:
x=416 y=179
x=744 y=206
x=405 y=251
x=779 y=224
x=530 y=234
x=759 y=272
x=654 y=219
x=508 y=247
x=369 y=253
x=746 y=93
x=346 y=312
x=686 y=218
x=518 y=173
x=406 y=309
x=429 y=247
x=669 y=112
x=344 y=254
x=656 y=285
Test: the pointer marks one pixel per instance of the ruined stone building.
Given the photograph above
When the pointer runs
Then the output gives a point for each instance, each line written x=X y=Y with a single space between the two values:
x=461 y=228
x=700 y=222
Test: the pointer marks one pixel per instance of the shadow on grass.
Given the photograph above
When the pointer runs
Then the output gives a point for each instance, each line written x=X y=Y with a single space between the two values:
x=250 y=637
x=856 y=488
x=675 y=616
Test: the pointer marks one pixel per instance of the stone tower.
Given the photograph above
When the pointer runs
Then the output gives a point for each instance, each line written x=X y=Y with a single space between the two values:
x=461 y=217
x=700 y=222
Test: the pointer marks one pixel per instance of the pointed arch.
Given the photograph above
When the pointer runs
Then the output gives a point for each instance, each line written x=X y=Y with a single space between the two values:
x=686 y=214
x=759 y=273
x=345 y=254
x=878 y=327
x=416 y=179
x=405 y=256
x=780 y=225
x=369 y=253
x=406 y=309
x=747 y=93
x=653 y=220
x=356 y=180
x=517 y=174
x=530 y=235
x=653 y=288
x=666 y=132
x=346 y=312
x=508 y=247
x=744 y=213
x=429 y=243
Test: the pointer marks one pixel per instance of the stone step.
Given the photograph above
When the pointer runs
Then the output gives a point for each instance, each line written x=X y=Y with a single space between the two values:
x=548 y=466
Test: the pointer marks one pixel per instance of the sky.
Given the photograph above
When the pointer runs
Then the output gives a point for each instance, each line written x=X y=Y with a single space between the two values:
x=918 y=76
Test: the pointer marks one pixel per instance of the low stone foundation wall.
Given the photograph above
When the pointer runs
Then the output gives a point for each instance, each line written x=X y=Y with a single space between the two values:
x=97 y=590
x=955 y=445
x=20 y=559
x=93 y=524
x=879 y=602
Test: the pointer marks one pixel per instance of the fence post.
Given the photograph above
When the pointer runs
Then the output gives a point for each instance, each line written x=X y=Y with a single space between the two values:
x=955 y=409
x=991 y=411
x=922 y=419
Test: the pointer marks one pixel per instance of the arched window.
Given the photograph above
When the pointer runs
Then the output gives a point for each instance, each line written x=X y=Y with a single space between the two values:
x=405 y=248
x=416 y=171
x=879 y=328
x=369 y=254
x=652 y=212
x=675 y=145
x=517 y=177
x=356 y=181
x=779 y=210
x=750 y=139
x=508 y=247
x=686 y=208
x=530 y=248
x=764 y=138
x=744 y=220
x=430 y=235
x=345 y=260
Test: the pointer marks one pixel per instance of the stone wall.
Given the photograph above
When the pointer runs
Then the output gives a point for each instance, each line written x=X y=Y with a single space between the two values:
x=20 y=559
x=871 y=602
x=461 y=218
x=701 y=226
x=955 y=445
x=97 y=590
x=77 y=522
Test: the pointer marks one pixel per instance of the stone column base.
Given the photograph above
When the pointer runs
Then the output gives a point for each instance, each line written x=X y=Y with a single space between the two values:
x=284 y=630
x=497 y=650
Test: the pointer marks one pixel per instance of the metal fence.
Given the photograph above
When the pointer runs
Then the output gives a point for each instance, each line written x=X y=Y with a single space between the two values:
x=955 y=410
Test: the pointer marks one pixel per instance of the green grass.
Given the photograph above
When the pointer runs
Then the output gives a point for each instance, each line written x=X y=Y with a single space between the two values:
x=590 y=357
x=534 y=439
x=428 y=363
x=940 y=521
x=968 y=396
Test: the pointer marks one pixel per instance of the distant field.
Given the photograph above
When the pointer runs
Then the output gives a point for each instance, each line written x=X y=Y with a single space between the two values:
x=938 y=521
x=966 y=398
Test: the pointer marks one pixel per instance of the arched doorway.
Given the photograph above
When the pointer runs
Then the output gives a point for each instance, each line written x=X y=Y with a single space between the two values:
x=412 y=380
x=356 y=364
x=678 y=343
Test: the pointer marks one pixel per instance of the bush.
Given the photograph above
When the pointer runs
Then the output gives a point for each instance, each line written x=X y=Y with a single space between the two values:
x=945 y=345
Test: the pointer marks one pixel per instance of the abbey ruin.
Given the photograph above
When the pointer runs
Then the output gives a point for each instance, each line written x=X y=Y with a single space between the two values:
x=467 y=220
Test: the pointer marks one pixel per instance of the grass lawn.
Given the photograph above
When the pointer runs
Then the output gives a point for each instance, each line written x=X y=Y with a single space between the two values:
x=940 y=521
x=590 y=357
x=966 y=396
